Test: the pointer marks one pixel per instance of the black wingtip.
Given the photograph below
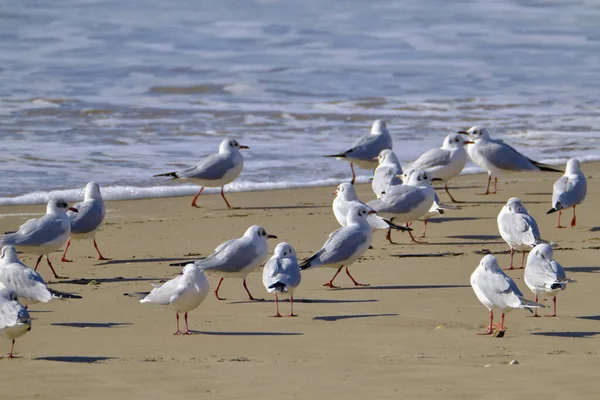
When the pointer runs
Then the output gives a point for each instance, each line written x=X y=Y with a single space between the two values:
x=182 y=264
x=279 y=286
x=169 y=174
x=545 y=167
x=552 y=210
x=63 y=295
x=336 y=155
x=441 y=211
x=305 y=265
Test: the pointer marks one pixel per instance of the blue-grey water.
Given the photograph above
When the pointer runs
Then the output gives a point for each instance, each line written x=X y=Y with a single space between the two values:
x=116 y=91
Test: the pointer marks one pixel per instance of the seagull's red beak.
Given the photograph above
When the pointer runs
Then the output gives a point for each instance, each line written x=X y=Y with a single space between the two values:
x=469 y=142
x=334 y=192
x=271 y=237
x=375 y=158
x=244 y=147
x=372 y=212
x=73 y=209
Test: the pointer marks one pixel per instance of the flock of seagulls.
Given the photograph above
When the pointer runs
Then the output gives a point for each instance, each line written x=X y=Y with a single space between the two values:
x=401 y=197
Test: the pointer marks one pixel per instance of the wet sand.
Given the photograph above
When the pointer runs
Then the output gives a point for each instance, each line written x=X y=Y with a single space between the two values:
x=411 y=334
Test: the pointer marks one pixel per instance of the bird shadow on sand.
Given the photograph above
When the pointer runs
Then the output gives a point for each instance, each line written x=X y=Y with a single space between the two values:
x=590 y=317
x=333 y=318
x=595 y=229
x=87 y=281
x=313 y=301
x=285 y=207
x=76 y=359
x=471 y=243
x=454 y=219
x=247 y=333
x=569 y=334
x=147 y=260
x=403 y=287
x=426 y=255
x=583 y=269
x=91 y=324
x=538 y=194
x=476 y=237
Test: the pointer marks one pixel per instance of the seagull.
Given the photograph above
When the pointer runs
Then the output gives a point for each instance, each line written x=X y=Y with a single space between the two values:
x=344 y=245
x=367 y=147
x=346 y=197
x=406 y=202
x=496 y=157
x=569 y=190
x=437 y=208
x=544 y=276
x=496 y=290
x=27 y=283
x=446 y=162
x=85 y=222
x=386 y=174
x=518 y=229
x=216 y=170
x=14 y=318
x=236 y=258
x=44 y=235
x=281 y=275
x=182 y=294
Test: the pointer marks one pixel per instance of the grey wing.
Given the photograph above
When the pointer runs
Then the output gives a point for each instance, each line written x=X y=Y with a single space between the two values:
x=25 y=282
x=540 y=274
x=36 y=232
x=558 y=271
x=229 y=259
x=164 y=294
x=384 y=177
x=569 y=191
x=224 y=244
x=369 y=146
x=213 y=167
x=500 y=289
x=399 y=200
x=12 y=313
x=522 y=228
x=291 y=271
x=341 y=245
x=89 y=218
x=502 y=156
x=432 y=158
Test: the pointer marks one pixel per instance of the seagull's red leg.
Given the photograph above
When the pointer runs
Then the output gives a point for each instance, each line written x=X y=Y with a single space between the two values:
x=330 y=283
x=354 y=280
x=38 y=262
x=277 y=315
x=64 y=259
x=574 y=220
x=53 y=271
x=487 y=190
x=412 y=238
x=196 y=197
x=100 y=256
x=559 y=215
x=178 y=332
x=490 y=331
x=292 y=307
x=424 y=230
x=495 y=185
x=502 y=323
x=247 y=291
x=353 y=174
x=187 y=330
x=512 y=253
x=554 y=314
x=217 y=290
x=535 y=314
x=12 y=349
x=388 y=236
x=223 y=196
x=523 y=260
x=451 y=197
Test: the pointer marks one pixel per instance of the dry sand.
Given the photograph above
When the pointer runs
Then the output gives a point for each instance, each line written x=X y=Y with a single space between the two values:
x=411 y=334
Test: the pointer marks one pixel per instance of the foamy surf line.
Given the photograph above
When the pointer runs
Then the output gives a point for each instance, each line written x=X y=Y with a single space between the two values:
x=154 y=192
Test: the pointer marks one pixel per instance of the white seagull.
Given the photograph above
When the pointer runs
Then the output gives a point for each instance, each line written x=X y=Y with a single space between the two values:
x=367 y=147
x=544 y=276
x=29 y=286
x=346 y=197
x=437 y=208
x=496 y=290
x=406 y=202
x=236 y=258
x=216 y=170
x=447 y=162
x=518 y=229
x=281 y=275
x=86 y=222
x=497 y=158
x=14 y=318
x=44 y=235
x=386 y=173
x=569 y=190
x=344 y=245
x=182 y=294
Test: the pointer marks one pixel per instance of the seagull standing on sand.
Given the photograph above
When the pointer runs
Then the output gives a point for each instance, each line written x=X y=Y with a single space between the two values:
x=569 y=190
x=216 y=170
x=446 y=162
x=182 y=294
x=281 y=275
x=14 y=318
x=497 y=158
x=236 y=258
x=44 y=235
x=518 y=229
x=86 y=222
x=345 y=245
x=346 y=197
x=436 y=209
x=386 y=173
x=29 y=286
x=544 y=276
x=496 y=290
x=406 y=202
x=367 y=147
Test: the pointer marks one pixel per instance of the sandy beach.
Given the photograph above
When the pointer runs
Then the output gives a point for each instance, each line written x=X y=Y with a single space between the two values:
x=411 y=334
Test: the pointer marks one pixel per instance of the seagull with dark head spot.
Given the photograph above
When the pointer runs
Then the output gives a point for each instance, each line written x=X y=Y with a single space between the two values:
x=569 y=191
x=14 y=318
